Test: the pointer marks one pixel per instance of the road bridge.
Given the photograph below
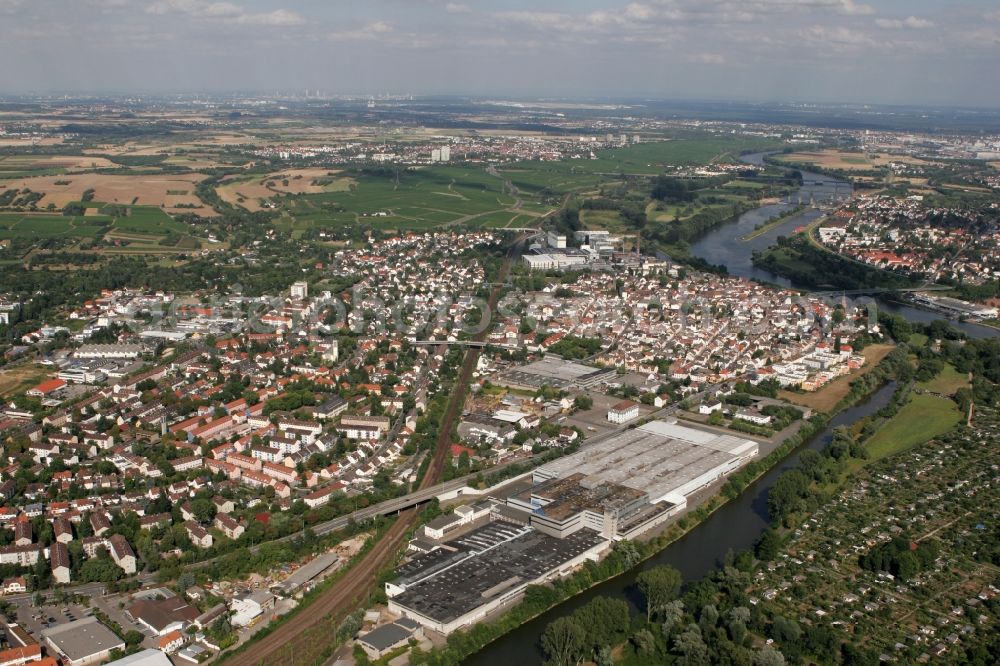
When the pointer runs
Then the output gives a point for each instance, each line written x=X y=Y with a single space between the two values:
x=873 y=291
x=475 y=344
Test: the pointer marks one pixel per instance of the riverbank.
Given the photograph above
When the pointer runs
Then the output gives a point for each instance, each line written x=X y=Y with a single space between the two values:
x=625 y=558
x=732 y=522
x=463 y=646
x=774 y=222
x=811 y=265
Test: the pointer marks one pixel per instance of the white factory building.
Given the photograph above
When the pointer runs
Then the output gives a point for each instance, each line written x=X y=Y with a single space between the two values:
x=666 y=460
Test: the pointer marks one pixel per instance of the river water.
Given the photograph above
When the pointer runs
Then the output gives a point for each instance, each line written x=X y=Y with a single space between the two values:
x=735 y=526
x=739 y=523
x=723 y=245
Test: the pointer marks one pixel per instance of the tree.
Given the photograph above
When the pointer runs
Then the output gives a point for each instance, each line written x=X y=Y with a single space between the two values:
x=133 y=638
x=644 y=642
x=691 y=646
x=907 y=565
x=43 y=575
x=709 y=618
x=768 y=656
x=766 y=548
x=563 y=641
x=603 y=620
x=100 y=569
x=672 y=613
x=784 y=630
x=659 y=586
x=628 y=553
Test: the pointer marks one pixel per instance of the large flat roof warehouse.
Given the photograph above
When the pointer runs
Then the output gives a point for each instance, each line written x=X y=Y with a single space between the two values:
x=557 y=373
x=666 y=460
x=500 y=559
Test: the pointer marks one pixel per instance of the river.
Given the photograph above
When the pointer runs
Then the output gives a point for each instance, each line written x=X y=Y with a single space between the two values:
x=733 y=527
x=739 y=523
x=724 y=245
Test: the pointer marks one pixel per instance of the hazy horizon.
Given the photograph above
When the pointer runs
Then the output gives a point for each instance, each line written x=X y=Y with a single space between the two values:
x=891 y=52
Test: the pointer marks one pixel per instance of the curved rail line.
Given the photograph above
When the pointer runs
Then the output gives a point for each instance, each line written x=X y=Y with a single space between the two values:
x=279 y=647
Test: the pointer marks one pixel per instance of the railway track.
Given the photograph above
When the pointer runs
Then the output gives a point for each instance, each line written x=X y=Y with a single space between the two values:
x=283 y=645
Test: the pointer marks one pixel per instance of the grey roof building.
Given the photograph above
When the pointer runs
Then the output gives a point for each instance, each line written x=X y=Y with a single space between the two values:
x=85 y=641
x=383 y=640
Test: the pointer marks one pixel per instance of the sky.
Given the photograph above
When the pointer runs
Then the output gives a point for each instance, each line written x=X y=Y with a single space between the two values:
x=935 y=52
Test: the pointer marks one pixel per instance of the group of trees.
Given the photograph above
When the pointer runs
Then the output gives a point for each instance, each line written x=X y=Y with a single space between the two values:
x=901 y=557
x=576 y=347
x=712 y=622
x=589 y=633
x=672 y=190
x=798 y=259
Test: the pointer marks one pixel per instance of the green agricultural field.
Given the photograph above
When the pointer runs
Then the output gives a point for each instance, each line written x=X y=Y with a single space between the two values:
x=602 y=219
x=532 y=178
x=504 y=219
x=654 y=157
x=149 y=219
x=745 y=184
x=31 y=225
x=143 y=227
x=923 y=418
x=418 y=199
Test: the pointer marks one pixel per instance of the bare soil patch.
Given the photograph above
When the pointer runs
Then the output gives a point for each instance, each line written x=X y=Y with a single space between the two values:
x=247 y=192
x=827 y=397
x=147 y=190
x=848 y=161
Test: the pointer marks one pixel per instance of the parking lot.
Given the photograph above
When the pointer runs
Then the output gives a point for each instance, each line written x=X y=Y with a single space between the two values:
x=594 y=421
x=110 y=606
x=36 y=619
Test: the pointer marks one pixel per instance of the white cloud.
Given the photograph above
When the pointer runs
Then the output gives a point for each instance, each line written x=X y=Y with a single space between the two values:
x=277 y=17
x=707 y=58
x=457 y=8
x=638 y=18
x=909 y=22
x=841 y=36
x=376 y=30
x=852 y=8
x=224 y=12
